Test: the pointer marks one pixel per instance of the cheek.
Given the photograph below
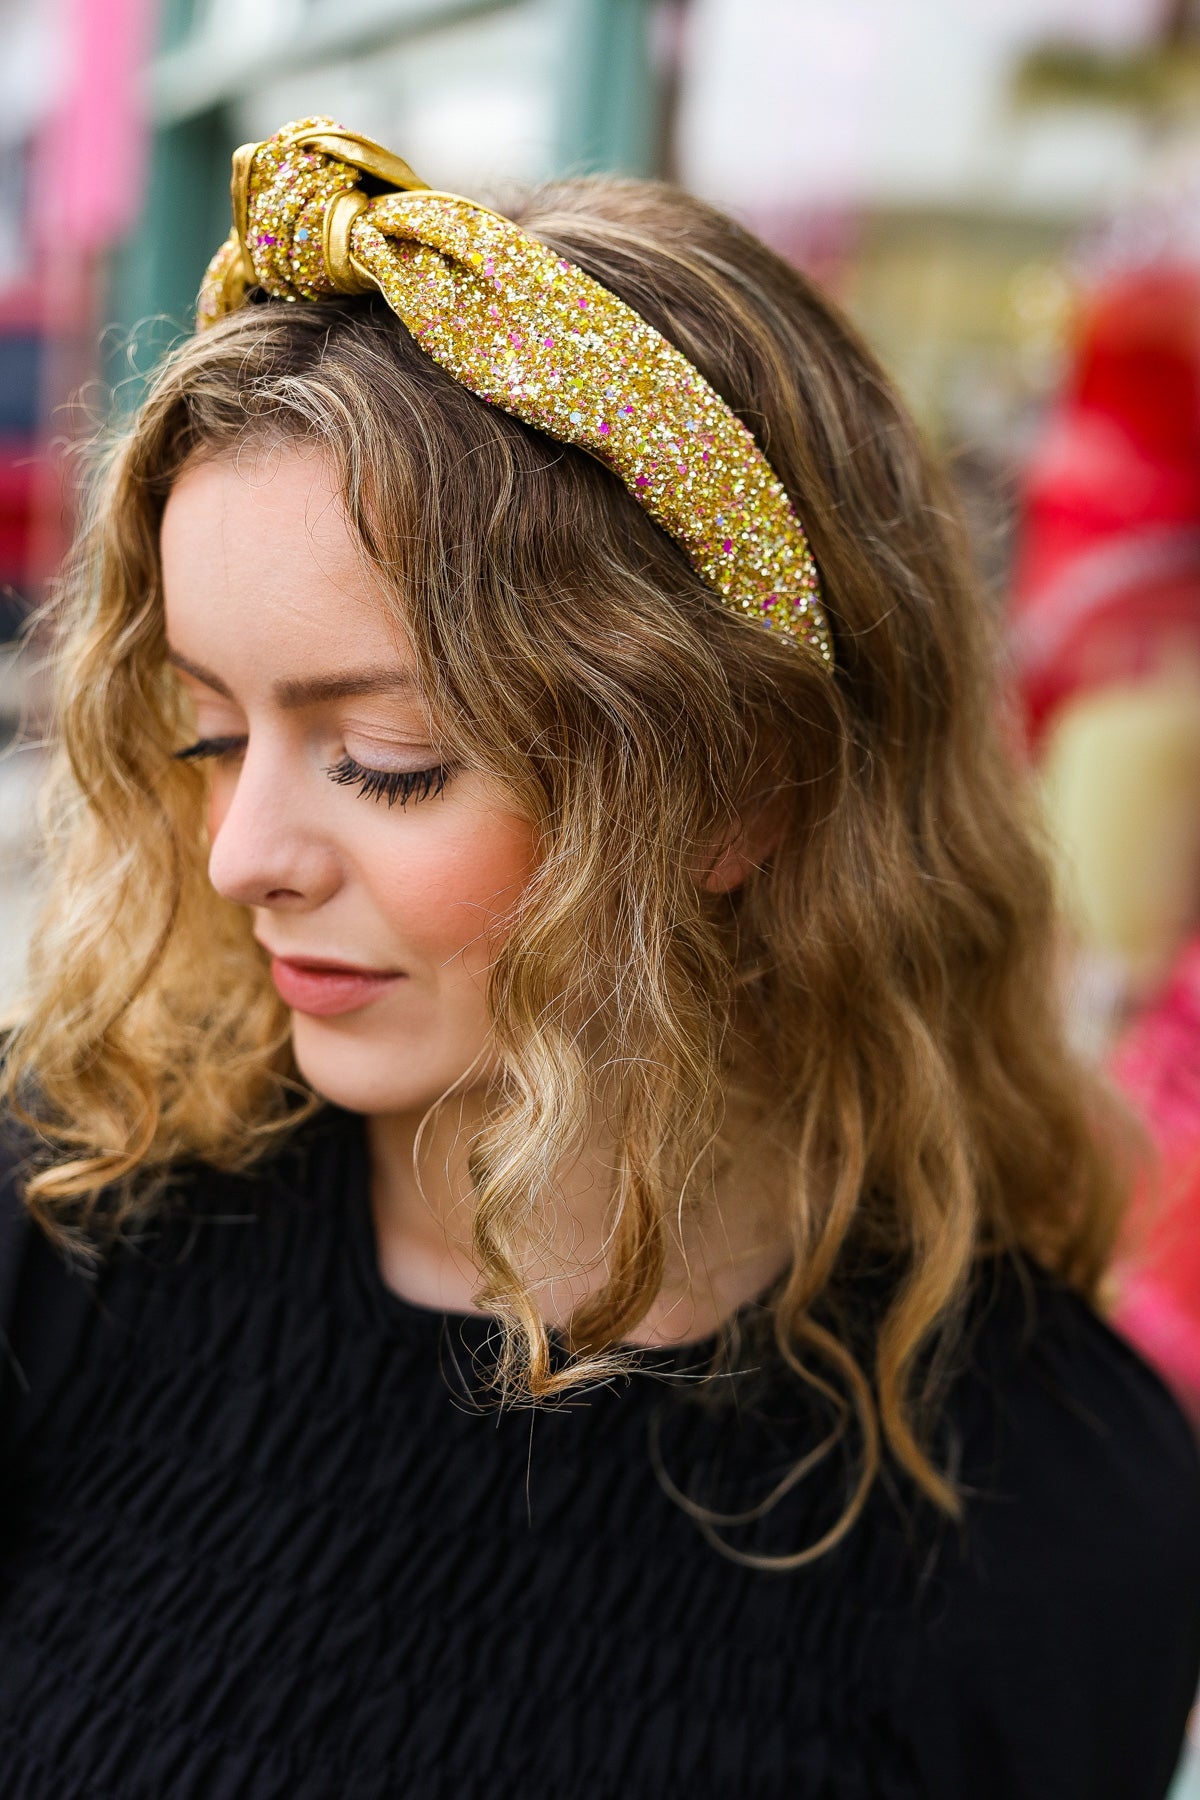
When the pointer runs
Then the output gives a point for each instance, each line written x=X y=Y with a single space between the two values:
x=449 y=893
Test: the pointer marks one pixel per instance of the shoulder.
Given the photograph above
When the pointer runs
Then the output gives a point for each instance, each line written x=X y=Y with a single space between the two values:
x=206 y=1239
x=43 y=1295
x=1064 y=1429
x=14 y=1222
x=1044 y=1383
x=303 y=1161
x=1063 y=1642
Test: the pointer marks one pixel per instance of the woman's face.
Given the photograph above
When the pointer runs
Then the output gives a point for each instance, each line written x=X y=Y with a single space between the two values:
x=378 y=883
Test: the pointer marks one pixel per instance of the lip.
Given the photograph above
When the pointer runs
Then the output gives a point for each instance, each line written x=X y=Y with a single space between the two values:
x=323 y=989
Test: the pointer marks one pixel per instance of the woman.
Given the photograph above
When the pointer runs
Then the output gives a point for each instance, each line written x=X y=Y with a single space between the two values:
x=580 y=1227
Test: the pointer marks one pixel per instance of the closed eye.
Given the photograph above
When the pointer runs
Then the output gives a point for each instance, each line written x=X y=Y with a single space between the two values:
x=389 y=784
x=204 y=748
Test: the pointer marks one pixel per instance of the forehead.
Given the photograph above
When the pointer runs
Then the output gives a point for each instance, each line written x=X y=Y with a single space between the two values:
x=258 y=557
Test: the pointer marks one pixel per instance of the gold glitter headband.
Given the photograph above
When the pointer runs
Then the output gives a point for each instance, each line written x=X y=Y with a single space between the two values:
x=318 y=210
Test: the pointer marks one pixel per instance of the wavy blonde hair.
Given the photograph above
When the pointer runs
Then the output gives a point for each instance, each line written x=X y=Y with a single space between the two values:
x=882 y=985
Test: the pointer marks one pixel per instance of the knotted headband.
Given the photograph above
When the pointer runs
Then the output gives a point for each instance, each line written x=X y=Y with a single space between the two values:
x=318 y=211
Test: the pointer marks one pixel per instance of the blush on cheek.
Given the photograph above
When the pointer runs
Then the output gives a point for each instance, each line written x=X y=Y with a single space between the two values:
x=454 y=900
x=433 y=891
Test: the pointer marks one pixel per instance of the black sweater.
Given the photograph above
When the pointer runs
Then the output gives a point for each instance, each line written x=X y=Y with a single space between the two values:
x=262 y=1540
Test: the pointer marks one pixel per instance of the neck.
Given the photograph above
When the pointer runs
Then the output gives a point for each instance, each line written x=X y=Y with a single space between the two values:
x=726 y=1249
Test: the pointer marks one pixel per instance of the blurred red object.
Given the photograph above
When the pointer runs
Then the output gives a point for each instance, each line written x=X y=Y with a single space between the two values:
x=1158 y=1066
x=1108 y=576
x=1107 y=591
x=20 y=362
x=16 y=510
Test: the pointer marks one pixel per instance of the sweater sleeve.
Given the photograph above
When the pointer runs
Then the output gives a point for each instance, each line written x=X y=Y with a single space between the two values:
x=1063 y=1646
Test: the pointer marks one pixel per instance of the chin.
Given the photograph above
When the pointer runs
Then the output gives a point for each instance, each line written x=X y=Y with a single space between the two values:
x=368 y=1074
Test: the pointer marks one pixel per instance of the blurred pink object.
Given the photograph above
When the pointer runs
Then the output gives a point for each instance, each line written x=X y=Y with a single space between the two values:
x=1107 y=583
x=1158 y=1066
x=90 y=160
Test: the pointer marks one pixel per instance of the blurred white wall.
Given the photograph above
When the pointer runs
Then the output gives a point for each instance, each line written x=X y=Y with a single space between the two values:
x=897 y=103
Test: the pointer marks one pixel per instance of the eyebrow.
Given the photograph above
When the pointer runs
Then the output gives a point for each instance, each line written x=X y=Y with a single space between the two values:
x=310 y=690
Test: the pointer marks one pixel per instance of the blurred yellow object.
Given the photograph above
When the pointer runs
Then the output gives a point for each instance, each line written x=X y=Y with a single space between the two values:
x=1121 y=777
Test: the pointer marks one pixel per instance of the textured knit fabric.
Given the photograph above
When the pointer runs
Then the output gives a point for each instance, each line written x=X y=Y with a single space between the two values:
x=261 y=1539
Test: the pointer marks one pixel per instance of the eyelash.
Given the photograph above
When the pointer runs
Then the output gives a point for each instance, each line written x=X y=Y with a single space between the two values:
x=391 y=785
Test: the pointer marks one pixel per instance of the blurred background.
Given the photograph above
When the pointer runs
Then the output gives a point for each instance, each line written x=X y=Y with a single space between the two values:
x=1004 y=194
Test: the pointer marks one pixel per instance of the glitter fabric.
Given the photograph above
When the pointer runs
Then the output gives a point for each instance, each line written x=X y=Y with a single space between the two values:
x=528 y=331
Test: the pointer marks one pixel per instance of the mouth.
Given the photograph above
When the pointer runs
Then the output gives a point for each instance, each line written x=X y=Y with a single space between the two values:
x=323 y=988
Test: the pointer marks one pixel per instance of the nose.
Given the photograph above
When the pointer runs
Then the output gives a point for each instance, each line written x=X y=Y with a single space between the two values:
x=267 y=848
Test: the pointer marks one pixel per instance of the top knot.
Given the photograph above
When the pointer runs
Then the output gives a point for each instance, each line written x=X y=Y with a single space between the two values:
x=287 y=183
x=294 y=199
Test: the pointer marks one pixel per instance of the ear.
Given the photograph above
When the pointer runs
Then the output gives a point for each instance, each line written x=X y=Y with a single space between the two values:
x=757 y=835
